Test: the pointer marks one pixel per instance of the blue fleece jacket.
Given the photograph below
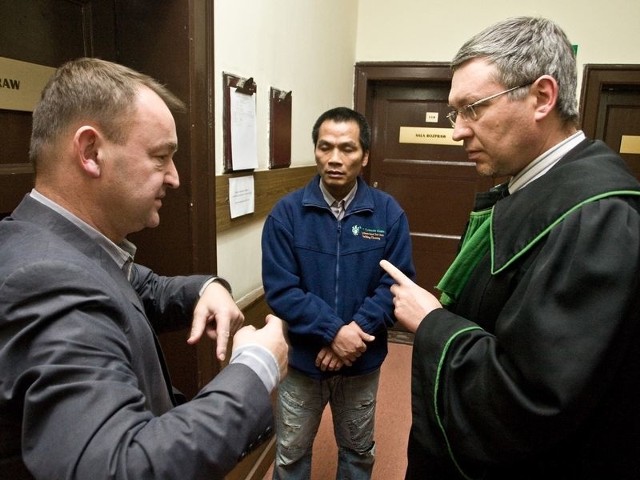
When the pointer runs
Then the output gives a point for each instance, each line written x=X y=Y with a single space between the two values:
x=320 y=274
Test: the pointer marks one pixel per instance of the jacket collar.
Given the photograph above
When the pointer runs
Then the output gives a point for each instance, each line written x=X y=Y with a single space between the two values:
x=32 y=211
x=312 y=196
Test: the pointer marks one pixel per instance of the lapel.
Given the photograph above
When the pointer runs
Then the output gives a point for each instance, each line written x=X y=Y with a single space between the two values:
x=30 y=210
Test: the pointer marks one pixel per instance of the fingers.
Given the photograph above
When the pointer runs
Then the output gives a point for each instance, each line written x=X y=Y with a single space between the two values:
x=219 y=328
x=241 y=335
x=348 y=361
x=399 y=277
x=237 y=320
x=273 y=321
x=222 y=334
x=271 y=337
x=197 y=329
x=335 y=364
x=328 y=360
x=323 y=359
x=366 y=337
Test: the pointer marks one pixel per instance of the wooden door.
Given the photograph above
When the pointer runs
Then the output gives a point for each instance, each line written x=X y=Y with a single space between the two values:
x=435 y=183
x=610 y=109
x=171 y=41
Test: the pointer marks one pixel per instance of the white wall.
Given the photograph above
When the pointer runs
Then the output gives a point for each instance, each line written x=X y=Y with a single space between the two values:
x=306 y=46
x=311 y=46
x=433 y=30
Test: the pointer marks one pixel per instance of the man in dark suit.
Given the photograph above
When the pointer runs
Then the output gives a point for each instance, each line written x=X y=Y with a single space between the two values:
x=84 y=391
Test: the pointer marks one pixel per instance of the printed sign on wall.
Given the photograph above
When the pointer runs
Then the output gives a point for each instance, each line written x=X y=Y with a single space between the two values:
x=630 y=144
x=431 y=136
x=21 y=83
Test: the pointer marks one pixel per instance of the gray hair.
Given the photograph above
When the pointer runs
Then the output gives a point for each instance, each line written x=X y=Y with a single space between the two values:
x=91 y=90
x=523 y=49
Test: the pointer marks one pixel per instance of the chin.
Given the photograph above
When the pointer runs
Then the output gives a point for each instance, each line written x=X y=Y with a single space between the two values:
x=152 y=222
x=485 y=171
x=488 y=169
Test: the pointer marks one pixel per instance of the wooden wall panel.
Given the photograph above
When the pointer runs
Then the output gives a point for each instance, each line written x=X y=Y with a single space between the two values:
x=270 y=186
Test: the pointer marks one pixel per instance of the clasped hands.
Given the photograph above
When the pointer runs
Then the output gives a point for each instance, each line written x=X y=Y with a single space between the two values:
x=347 y=346
x=411 y=304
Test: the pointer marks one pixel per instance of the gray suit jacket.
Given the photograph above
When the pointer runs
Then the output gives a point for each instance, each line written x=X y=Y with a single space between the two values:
x=84 y=390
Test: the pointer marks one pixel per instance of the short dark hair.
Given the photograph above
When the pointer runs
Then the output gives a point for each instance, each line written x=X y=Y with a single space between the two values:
x=344 y=114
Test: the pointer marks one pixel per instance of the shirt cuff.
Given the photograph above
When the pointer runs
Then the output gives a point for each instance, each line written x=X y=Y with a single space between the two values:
x=260 y=360
x=216 y=279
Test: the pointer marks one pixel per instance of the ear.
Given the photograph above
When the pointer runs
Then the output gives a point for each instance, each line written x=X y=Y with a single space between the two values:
x=86 y=143
x=546 y=91
x=365 y=159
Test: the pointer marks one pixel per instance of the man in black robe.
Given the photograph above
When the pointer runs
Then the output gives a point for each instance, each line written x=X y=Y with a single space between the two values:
x=528 y=366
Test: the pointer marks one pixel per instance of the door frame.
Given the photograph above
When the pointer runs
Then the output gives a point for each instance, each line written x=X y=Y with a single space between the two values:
x=597 y=78
x=369 y=73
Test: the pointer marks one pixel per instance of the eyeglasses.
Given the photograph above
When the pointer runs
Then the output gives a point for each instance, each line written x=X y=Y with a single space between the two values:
x=468 y=112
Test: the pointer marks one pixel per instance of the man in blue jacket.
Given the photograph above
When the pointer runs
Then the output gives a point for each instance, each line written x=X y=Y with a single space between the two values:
x=321 y=248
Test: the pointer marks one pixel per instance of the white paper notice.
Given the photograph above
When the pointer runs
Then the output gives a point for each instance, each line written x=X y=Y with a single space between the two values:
x=241 y=196
x=244 y=152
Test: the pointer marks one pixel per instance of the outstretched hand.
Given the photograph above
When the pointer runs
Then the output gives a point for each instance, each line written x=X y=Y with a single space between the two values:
x=411 y=303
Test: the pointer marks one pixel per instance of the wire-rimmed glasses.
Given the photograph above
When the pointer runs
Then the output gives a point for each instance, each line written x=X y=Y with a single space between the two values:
x=468 y=112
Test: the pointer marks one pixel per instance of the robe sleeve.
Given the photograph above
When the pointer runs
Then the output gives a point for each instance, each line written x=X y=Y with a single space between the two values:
x=559 y=341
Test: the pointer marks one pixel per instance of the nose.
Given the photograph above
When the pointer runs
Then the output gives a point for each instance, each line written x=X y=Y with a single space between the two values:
x=171 y=178
x=335 y=156
x=461 y=130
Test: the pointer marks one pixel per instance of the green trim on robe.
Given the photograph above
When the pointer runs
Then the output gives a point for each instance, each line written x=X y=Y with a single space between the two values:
x=479 y=239
x=495 y=269
x=474 y=246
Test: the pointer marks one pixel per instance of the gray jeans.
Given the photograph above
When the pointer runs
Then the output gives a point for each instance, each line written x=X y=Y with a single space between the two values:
x=301 y=401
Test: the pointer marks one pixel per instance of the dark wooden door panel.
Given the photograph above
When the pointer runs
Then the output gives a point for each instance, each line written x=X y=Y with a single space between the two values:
x=49 y=32
x=434 y=183
x=16 y=173
x=620 y=116
x=610 y=106
x=436 y=195
x=43 y=32
x=432 y=255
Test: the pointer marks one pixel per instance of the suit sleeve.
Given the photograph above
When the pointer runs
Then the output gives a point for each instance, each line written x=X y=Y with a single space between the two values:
x=168 y=301
x=70 y=351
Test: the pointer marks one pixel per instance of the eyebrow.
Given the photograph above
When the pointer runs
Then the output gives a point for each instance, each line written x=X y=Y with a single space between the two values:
x=172 y=147
x=339 y=144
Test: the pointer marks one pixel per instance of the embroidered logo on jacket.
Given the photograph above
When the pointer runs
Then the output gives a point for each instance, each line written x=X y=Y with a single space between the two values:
x=368 y=233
